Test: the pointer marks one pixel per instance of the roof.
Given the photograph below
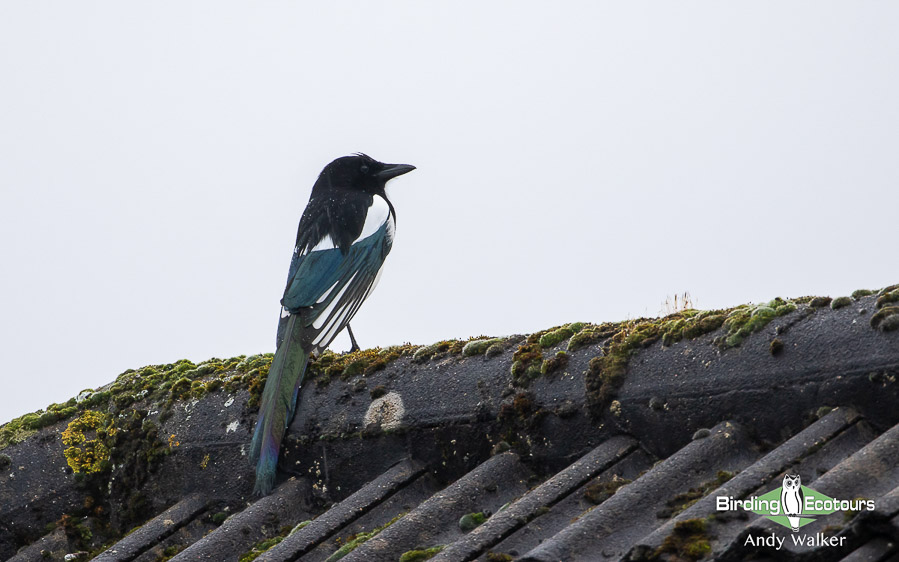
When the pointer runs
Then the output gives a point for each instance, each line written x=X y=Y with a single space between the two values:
x=545 y=447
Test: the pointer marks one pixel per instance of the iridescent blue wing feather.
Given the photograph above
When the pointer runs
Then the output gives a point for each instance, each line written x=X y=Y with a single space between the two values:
x=326 y=286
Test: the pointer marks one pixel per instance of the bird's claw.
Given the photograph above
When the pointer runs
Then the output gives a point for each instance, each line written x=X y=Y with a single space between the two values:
x=355 y=346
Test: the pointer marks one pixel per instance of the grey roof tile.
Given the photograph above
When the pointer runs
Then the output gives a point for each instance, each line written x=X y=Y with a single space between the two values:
x=345 y=512
x=618 y=522
x=155 y=530
x=544 y=497
x=880 y=549
x=553 y=519
x=497 y=481
x=286 y=506
x=39 y=550
x=403 y=501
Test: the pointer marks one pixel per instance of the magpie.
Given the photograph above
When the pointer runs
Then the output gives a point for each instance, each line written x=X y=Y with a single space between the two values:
x=344 y=236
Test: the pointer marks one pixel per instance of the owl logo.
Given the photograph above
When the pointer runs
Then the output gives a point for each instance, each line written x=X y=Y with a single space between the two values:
x=792 y=500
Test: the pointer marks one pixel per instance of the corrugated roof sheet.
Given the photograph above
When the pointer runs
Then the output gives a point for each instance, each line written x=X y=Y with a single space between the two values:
x=451 y=460
x=616 y=502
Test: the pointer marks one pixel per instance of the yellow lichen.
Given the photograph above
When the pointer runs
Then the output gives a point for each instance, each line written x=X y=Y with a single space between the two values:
x=86 y=436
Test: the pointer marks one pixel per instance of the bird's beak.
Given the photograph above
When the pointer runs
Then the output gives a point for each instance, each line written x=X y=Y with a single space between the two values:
x=393 y=170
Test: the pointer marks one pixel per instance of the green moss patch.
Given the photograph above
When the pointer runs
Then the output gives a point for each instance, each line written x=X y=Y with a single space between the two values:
x=446 y=348
x=554 y=363
x=260 y=547
x=331 y=365
x=354 y=541
x=776 y=347
x=886 y=318
x=15 y=431
x=682 y=501
x=592 y=334
x=419 y=555
x=21 y=428
x=479 y=346
x=687 y=541
x=77 y=530
x=840 y=302
x=746 y=320
x=170 y=552
x=521 y=407
x=689 y=325
x=184 y=380
x=526 y=363
x=471 y=520
x=887 y=298
x=268 y=543
x=605 y=374
x=518 y=416
x=889 y=289
x=890 y=324
x=165 y=384
x=598 y=492
x=557 y=336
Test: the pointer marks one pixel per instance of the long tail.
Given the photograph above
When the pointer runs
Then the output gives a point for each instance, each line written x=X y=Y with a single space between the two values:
x=276 y=409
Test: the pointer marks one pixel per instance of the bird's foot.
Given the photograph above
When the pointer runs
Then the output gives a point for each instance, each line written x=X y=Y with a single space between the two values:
x=355 y=346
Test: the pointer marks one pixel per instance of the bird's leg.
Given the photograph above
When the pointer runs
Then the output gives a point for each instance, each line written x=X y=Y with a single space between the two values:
x=355 y=346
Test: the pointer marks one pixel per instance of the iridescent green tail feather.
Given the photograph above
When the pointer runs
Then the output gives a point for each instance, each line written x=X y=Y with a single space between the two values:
x=277 y=405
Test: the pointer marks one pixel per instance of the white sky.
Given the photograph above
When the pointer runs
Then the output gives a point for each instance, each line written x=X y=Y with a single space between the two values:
x=574 y=163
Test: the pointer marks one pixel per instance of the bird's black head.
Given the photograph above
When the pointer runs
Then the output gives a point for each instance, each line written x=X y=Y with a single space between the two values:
x=359 y=172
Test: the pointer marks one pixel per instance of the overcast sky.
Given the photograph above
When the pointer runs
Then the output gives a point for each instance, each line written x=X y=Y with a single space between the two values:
x=575 y=163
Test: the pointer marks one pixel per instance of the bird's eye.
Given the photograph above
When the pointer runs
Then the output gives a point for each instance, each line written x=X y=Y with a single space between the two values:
x=364 y=168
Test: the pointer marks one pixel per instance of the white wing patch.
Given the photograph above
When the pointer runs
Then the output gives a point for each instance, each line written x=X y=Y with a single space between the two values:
x=341 y=319
x=326 y=293
x=391 y=230
x=323 y=317
x=325 y=244
x=377 y=215
x=375 y=282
